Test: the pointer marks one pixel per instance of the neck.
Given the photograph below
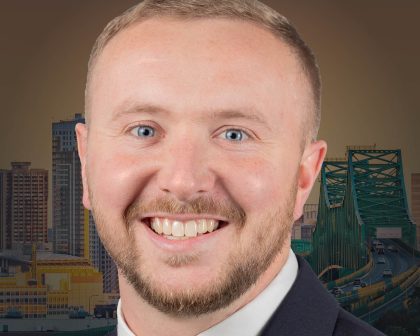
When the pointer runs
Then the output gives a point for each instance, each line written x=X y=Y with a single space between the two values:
x=143 y=319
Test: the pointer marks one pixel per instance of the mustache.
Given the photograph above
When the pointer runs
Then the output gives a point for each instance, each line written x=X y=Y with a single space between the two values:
x=201 y=205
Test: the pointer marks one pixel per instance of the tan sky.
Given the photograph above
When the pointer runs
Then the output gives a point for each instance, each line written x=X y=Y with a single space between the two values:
x=368 y=51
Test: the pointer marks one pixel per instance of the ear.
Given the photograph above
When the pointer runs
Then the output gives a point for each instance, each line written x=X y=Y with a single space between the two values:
x=82 y=134
x=309 y=168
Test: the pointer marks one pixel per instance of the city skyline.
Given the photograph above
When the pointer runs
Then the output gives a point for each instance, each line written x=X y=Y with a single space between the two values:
x=24 y=207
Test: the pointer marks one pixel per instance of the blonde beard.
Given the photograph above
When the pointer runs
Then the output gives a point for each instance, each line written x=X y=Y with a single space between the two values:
x=241 y=269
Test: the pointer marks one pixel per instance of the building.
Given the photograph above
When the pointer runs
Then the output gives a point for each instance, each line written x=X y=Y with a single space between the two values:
x=4 y=207
x=67 y=207
x=296 y=228
x=310 y=213
x=100 y=258
x=306 y=231
x=22 y=300
x=110 y=272
x=304 y=226
x=24 y=206
x=49 y=285
x=74 y=228
x=29 y=204
x=415 y=203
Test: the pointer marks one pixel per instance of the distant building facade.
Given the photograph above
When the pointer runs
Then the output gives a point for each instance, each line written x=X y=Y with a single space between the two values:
x=296 y=228
x=304 y=226
x=310 y=213
x=4 y=207
x=306 y=231
x=100 y=258
x=67 y=207
x=109 y=271
x=54 y=286
x=415 y=203
x=24 y=206
x=73 y=226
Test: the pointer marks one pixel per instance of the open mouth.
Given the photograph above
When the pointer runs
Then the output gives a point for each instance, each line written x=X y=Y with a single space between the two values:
x=179 y=230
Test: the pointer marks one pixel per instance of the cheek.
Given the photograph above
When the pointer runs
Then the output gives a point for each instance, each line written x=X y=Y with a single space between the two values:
x=114 y=179
x=258 y=184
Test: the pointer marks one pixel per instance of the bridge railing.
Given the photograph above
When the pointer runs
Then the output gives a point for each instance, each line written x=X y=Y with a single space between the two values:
x=350 y=277
x=370 y=298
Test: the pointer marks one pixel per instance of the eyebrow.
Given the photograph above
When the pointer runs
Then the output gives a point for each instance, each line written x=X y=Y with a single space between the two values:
x=136 y=109
x=246 y=113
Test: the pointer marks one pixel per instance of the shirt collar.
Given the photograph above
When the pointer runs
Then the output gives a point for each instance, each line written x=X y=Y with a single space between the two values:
x=250 y=319
x=122 y=327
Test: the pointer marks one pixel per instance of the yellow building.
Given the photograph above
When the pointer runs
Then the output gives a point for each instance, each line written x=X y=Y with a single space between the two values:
x=17 y=296
x=63 y=283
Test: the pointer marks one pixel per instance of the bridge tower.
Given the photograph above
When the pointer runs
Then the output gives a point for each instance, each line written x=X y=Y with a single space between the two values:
x=362 y=197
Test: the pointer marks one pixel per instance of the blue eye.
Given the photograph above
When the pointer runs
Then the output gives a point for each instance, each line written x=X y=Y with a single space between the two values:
x=143 y=131
x=235 y=135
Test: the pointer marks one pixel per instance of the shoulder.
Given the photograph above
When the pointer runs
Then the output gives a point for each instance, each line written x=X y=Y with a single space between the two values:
x=308 y=309
x=349 y=325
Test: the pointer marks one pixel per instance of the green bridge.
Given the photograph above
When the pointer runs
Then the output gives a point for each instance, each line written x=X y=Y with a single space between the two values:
x=362 y=197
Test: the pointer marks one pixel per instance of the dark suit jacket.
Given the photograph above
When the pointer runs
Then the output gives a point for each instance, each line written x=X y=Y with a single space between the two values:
x=309 y=310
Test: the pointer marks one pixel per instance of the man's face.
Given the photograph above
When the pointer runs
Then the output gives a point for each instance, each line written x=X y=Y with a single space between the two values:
x=195 y=130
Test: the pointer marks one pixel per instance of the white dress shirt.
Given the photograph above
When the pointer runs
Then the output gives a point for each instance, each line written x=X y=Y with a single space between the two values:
x=250 y=319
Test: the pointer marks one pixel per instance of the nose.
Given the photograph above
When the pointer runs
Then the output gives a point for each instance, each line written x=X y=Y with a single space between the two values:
x=185 y=172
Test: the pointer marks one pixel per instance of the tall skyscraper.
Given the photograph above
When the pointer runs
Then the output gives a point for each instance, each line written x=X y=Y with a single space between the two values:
x=24 y=206
x=100 y=258
x=67 y=207
x=74 y=228
x=4 y=207
x=109 y=271
x=415 y=203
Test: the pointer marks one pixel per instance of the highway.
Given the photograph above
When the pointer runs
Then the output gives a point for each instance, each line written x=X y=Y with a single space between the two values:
x=398 y=261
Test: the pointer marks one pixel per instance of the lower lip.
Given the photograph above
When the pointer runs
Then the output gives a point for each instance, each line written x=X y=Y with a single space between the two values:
x=181 y=245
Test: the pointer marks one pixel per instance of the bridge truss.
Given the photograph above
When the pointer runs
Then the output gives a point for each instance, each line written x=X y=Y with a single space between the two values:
x=359 y=195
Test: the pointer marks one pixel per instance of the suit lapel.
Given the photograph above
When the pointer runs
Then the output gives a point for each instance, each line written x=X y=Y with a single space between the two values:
x=308 y=309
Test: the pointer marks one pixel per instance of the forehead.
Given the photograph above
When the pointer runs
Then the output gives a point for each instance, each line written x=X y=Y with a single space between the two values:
x=223 y=58
x=206 y=37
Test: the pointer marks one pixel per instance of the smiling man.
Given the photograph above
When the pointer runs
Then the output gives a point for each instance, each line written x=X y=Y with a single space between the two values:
x=198 y=153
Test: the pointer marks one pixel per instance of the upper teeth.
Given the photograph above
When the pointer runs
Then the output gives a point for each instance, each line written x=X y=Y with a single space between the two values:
x=189 y=228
